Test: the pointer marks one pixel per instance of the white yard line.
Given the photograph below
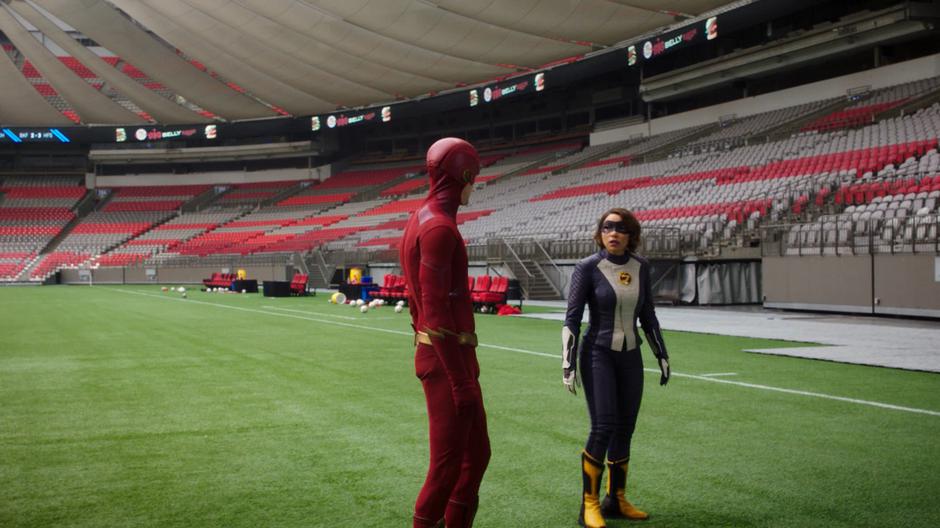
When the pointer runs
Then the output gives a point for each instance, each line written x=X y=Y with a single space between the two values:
x=552 y=356
x=351 y=318
x=718 y=374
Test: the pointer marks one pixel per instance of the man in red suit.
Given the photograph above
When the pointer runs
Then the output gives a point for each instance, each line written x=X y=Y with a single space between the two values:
x=434 y=262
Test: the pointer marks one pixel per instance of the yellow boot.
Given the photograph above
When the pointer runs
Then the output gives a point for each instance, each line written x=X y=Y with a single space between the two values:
x=616 y=505
x=591 y=472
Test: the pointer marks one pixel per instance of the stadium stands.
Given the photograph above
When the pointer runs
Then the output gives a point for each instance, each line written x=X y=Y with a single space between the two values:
x=875 y=182
x=252 y=194
x=33 y=212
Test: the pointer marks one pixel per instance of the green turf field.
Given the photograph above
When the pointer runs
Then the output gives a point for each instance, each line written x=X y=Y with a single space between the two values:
x=125 y=406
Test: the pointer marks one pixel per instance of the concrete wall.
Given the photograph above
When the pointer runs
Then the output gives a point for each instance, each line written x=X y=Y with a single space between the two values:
x=474 y=269
x=913 y=70
x=840 y=284
x=882 y=284
x=907 y=285
x=208 y=178
x=171 y=275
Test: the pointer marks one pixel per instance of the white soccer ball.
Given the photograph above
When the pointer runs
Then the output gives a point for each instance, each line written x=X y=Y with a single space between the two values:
x=244 y=291
x=359 y=302
x=364 y=308
x=184 y=295
x=181 y=289
x=484 y=309
x=163 y=288
x=399 y=309
x=400 y=303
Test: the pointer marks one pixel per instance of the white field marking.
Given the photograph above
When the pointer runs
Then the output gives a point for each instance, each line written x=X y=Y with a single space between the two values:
x=347 y=317
x=353 y=318
x=717 y=374
x=252 y=310
x=804 y=393
x=553 y=356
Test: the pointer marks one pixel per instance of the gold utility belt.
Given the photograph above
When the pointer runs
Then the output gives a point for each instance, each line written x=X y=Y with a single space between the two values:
x=463 y=338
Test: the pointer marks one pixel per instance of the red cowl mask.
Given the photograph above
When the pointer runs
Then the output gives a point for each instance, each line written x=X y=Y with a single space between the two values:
x=452 y=164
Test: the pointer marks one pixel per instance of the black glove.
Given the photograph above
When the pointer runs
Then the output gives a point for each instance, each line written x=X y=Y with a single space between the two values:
x=664 y=370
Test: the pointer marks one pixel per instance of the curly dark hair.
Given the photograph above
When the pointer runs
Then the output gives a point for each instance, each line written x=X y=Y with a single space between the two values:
x=633 y=228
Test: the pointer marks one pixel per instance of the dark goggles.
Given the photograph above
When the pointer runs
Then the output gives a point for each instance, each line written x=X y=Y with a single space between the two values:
x=620 y=227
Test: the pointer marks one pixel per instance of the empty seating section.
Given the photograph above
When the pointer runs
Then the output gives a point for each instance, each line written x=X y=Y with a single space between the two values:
x=407 y=186
x=739 y=129
x=892 y=210
x=165 y=237
x=131 y=212
x=875 y=185
x=155 y=198
x=317 y=199
x=97 y=233
x=361 y=179
x=276 y=229
x=33 y=211
x=254 y=193
x=344 y=186
x=865 y=110
x=735 y=186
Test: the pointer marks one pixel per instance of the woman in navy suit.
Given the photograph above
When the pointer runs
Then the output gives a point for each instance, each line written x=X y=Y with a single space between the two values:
x=615 y=284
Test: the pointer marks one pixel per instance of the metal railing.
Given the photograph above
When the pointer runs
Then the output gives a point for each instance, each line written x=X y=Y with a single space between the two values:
x=830 y=236
x=657 y=243
x=548 y=258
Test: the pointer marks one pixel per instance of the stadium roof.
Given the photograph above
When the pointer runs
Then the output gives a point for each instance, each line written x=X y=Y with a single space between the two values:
x=187 y=61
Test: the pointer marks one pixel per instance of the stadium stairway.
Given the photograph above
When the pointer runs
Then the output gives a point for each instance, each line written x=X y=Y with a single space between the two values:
x=376 y=191
x=321 y=272
x=200 y=200
x=920 y=102
x=788 y=128
x=285 y=194
x=532 y=278
x=527 y=169
x=601 y=153
x=665 y=149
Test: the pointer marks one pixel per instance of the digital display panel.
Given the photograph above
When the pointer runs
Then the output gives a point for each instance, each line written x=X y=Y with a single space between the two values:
x=123 y=134
x=33 y=135
x=344 y=120
x=657 y=46
x=495 y=92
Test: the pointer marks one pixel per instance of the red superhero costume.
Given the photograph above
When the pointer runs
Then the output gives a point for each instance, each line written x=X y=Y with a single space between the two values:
x=434 y=262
